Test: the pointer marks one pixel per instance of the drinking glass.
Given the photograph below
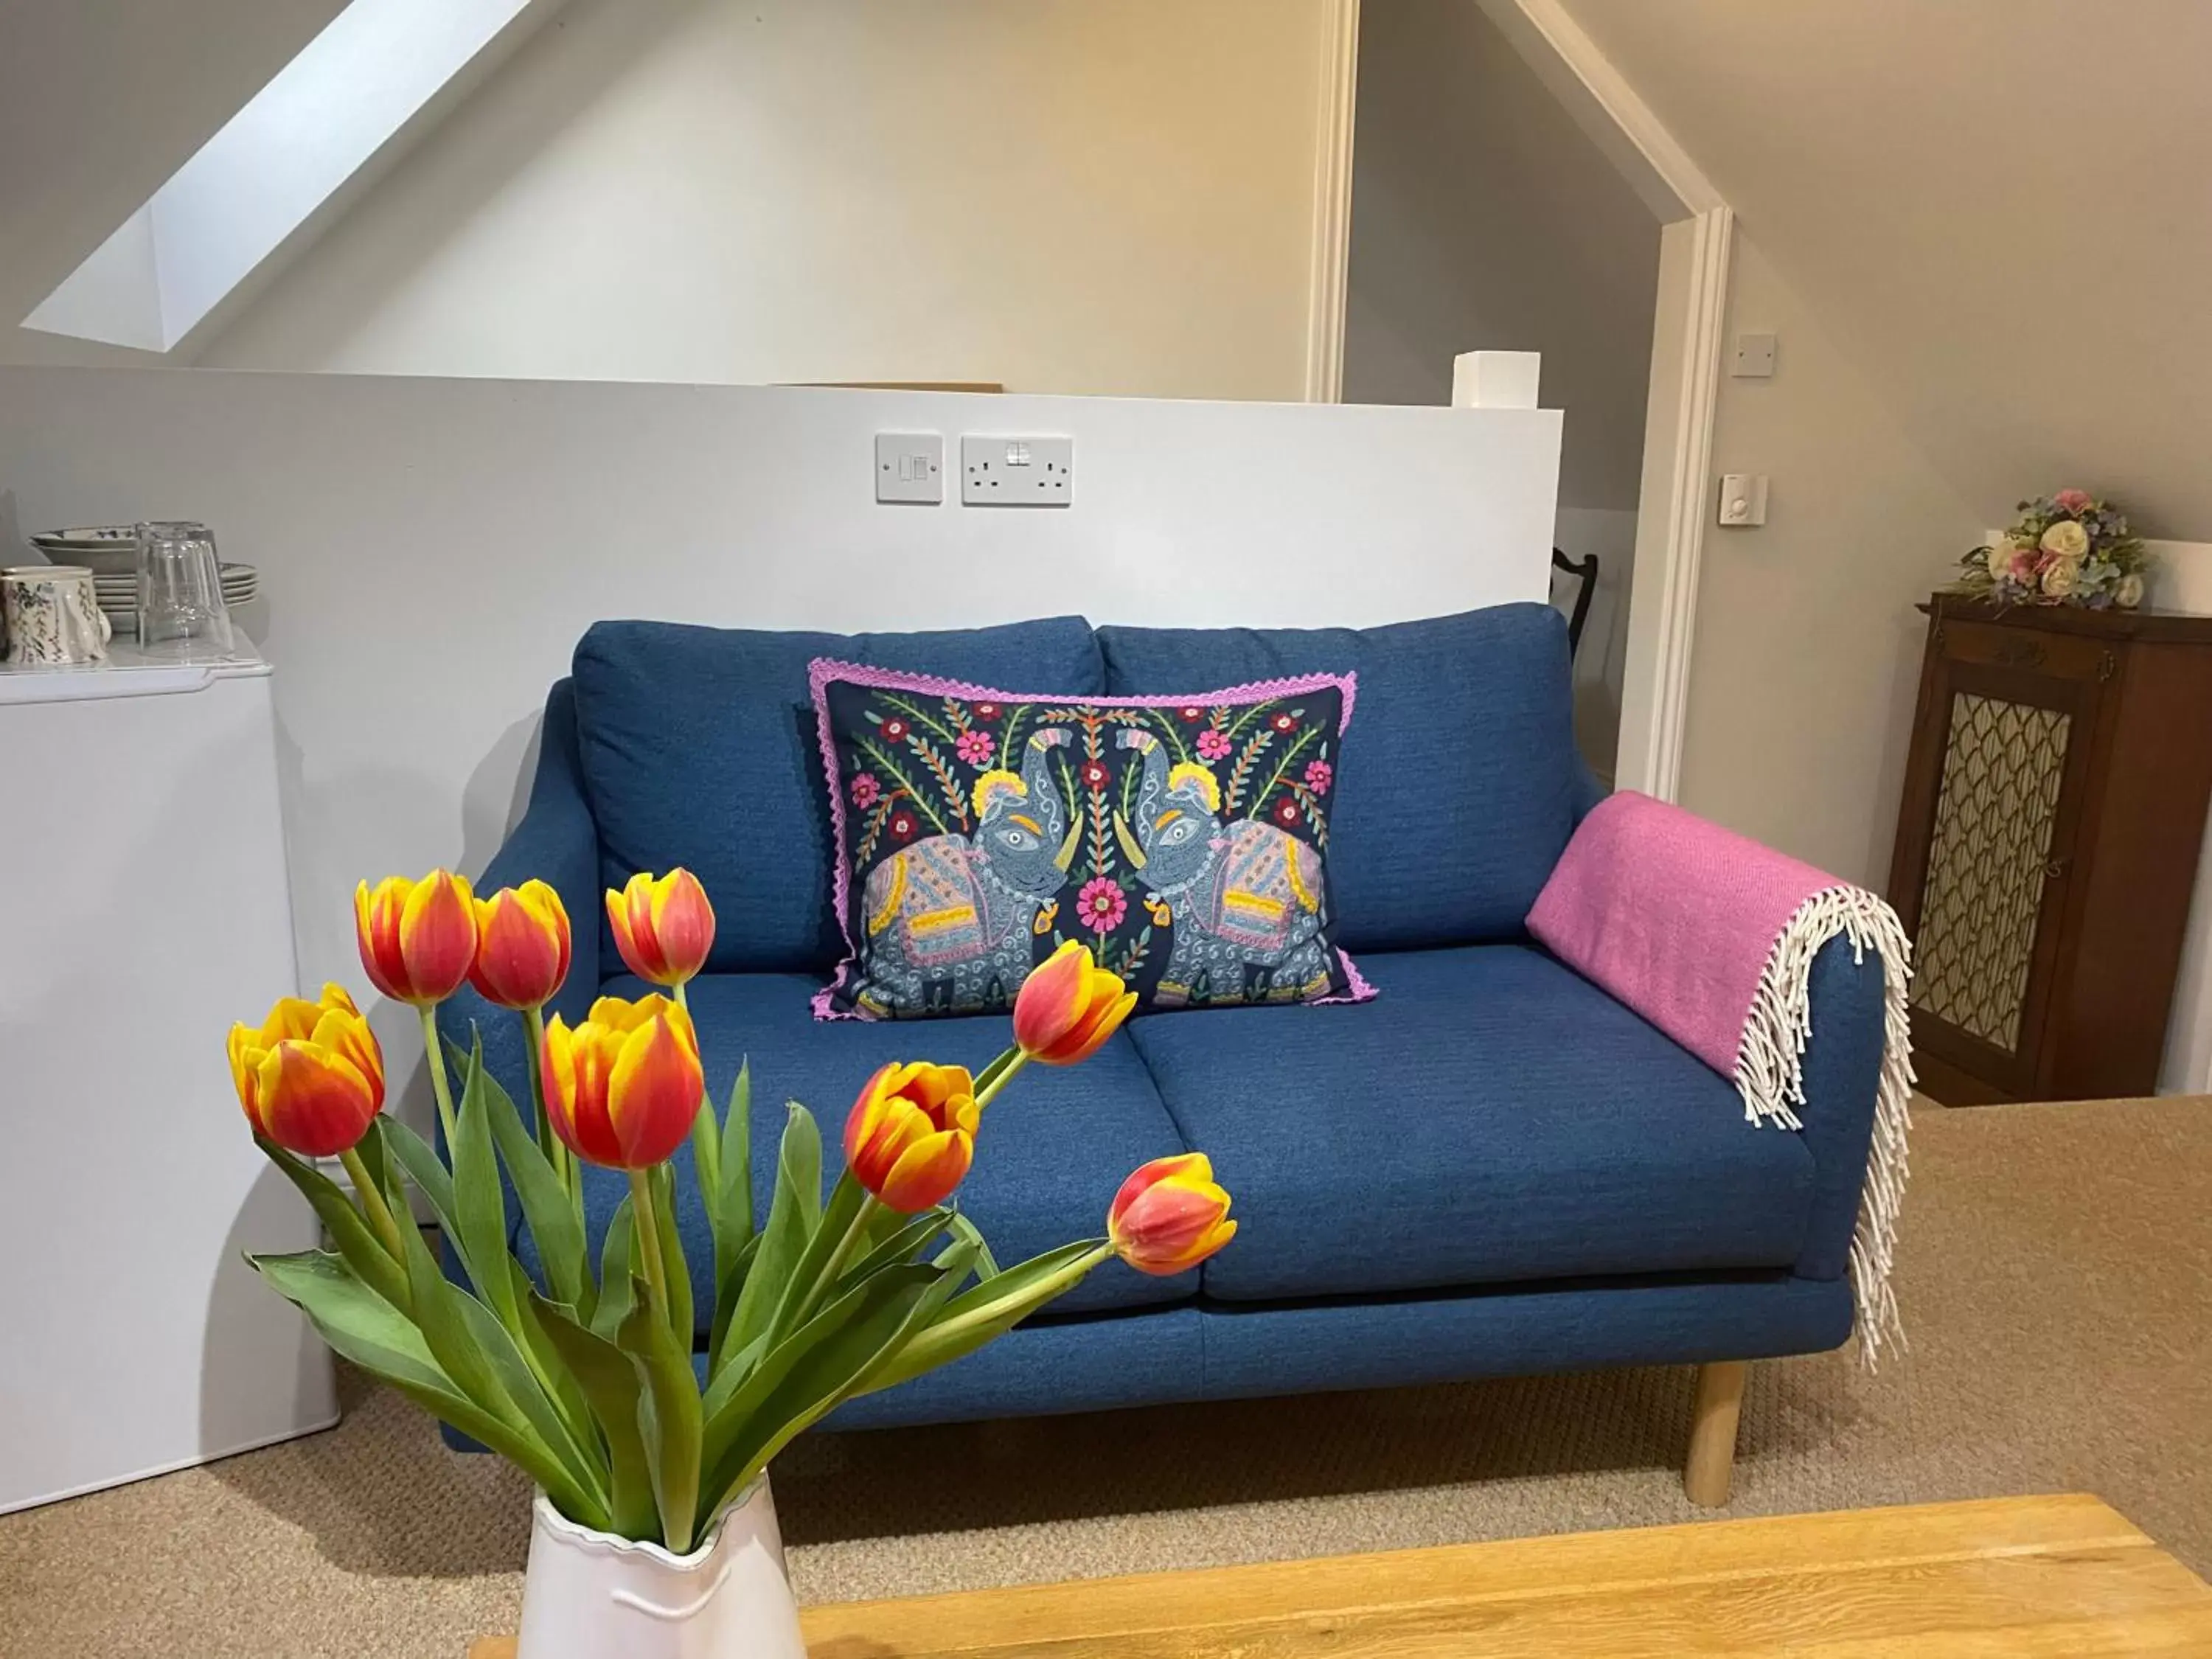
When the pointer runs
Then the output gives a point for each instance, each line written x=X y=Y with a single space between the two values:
x=180 y=606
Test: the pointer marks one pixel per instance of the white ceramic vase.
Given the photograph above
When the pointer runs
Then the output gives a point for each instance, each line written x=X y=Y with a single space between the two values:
x=591 y=1596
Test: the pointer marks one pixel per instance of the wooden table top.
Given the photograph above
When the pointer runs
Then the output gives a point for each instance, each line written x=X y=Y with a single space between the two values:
x=2058 y=1576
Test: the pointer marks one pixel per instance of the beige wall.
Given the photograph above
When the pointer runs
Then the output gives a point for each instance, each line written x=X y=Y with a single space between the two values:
x=2002 y=209
x=1054 y=194
x=1482 y=218
x=1807 y=651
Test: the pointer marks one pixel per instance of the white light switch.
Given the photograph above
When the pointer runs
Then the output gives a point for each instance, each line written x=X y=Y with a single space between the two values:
x=1743 y=498
x=1017 y=471
x=910 y=467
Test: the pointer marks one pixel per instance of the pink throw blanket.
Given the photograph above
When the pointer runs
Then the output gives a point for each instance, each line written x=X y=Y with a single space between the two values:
x=1711 y=937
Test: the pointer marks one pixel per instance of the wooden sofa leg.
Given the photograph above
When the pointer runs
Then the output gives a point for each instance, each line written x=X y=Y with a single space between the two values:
x=1712 y=1435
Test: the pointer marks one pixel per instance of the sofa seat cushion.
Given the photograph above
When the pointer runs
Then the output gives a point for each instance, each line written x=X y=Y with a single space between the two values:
x=698 y=748
x=1049 y=1155
x=1460 y=784
x=1491 y=1117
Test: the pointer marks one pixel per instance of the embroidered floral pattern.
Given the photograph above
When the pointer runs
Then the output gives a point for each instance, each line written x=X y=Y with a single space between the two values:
x=1101 y=904
x=1184 y=842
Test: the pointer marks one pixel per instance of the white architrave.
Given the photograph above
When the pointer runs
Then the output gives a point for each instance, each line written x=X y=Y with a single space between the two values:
x=1332 y=218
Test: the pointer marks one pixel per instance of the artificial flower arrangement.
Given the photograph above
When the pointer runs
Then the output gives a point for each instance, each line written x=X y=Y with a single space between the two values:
x=585 y=1378
x=2071 y=548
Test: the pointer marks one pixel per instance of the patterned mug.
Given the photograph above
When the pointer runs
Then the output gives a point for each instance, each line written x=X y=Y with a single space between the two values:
x=51 y=615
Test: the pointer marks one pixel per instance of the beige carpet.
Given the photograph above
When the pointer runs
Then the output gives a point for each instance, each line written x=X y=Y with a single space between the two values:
x=2056 y=1274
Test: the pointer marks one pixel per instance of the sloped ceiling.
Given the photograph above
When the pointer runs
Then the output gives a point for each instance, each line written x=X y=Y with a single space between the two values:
x=2002 y=208
x=102 y=99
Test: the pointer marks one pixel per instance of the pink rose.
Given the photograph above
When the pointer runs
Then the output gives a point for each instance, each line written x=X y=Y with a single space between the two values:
x=2071 y=500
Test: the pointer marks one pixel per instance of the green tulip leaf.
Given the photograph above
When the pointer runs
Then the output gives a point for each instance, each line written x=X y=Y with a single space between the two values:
x=366 y=1330
x=988 y=1310
x=730 y=1200
x=669 y=1418
x=860 y=1334
x=913 y=1233
x=793 y=1216
x=479 y=1209
x=986 y=1267
x=546 y=1209
x=834 y=1240
x=361 y=1249
x=681 y=1313
x=617 y=1256
x=612 y=1386
x=728 y=1287
x=424 y=1168
x=480 y=1354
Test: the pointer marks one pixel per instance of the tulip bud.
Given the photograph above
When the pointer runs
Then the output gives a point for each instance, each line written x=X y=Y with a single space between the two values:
x=1069 y=1006
x=911 y=1135
x=663 y=928
x=1169 y=1215
x=417 y=938
x=311 y=1077
x=622 y=1088
x=522 y=946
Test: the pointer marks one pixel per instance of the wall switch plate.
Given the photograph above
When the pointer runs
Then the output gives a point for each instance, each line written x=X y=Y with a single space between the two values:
x=1743 y=498
x=910 y=467
x=1017 y=471
x=1755 y=356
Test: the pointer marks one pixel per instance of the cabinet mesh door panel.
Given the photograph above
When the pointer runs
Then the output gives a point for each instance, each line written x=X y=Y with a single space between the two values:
x=1994 y=810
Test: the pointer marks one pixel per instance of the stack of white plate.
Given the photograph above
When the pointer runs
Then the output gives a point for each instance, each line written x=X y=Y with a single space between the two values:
x=111 y=553
x=118 y=594
x=110 y=549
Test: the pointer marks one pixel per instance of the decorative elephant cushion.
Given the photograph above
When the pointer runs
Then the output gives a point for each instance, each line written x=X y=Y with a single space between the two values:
x=1184 y=839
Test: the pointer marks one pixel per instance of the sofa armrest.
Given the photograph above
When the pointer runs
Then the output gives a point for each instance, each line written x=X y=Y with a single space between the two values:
x=558 y=843
x=1842 y=1076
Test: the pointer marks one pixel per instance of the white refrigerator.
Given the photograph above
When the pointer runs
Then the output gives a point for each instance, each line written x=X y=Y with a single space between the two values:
x=143 y=907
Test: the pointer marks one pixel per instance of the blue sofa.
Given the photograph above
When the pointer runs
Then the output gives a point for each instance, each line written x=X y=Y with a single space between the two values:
x=1493 y=1168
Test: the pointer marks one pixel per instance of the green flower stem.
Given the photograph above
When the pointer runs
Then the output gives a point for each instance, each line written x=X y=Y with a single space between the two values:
x=439 y=1084
x=373 y=1204
x=706 y=1131
x=997 y=1074
x=648 y=1237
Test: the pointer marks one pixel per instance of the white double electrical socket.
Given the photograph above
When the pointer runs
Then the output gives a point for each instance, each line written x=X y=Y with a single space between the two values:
x=1017 y=471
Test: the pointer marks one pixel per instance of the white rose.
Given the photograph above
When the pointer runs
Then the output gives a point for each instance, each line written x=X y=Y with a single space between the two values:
x=2067 y=540
x=2130 y=593
x=2062 y=576
x=1999 y=558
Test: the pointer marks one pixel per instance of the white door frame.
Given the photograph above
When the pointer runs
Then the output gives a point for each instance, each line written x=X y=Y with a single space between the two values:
x=1675 y=502
x=1332 y=215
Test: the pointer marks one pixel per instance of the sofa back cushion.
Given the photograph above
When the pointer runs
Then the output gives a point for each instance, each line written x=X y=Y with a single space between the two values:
x=698 y=748
x=1459 y=794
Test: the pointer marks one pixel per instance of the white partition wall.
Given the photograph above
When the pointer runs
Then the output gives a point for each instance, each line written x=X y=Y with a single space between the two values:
x=431 y=550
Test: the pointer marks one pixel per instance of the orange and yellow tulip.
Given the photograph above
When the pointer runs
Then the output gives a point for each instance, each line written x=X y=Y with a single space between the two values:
x=522 y=946
x=911 y=1135
x=417 y=938
x=311 y=1076
x=663 y=928
x=622 y=1088
x=1069 y=1006
x=1169 y=1215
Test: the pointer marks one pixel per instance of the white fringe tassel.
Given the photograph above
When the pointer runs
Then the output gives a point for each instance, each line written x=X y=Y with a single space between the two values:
x=1769 y=1074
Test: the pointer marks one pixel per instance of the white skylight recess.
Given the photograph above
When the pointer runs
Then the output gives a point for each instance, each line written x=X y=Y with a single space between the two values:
x=348 y=93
